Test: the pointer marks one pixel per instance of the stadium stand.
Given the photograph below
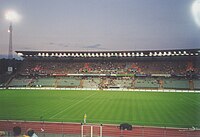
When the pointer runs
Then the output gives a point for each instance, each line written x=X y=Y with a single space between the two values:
x=68 y=82
x=165 y=69
x=174 y=83
x=44 y=82
x=3 y=79
x=121 y=82
x=5 y=75
x=146 y=83
x=196 y=84
x=20 y=82
x=90 y=82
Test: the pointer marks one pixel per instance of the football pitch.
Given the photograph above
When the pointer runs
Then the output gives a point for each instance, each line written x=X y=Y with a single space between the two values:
x=110 y=107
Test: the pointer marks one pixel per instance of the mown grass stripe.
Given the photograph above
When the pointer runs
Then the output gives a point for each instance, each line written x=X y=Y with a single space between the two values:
x=72 y=105
x=141 y=108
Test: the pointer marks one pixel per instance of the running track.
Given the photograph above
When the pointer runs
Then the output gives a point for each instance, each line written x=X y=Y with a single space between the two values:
x=107 y=130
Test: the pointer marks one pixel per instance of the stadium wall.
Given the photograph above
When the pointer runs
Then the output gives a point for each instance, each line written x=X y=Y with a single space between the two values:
x=120 y=89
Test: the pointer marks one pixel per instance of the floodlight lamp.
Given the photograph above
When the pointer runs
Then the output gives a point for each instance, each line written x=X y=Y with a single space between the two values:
x=12 y=16
x=196 y=11
x=20 y=54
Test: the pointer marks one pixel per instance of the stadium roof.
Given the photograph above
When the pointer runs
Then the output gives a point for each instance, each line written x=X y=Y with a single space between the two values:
x=82 y=54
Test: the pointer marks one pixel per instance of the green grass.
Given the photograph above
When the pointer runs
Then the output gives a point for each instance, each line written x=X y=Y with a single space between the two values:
x=139 y=108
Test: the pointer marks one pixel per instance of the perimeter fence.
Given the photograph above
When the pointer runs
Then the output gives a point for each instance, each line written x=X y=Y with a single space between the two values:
x=61 y=129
